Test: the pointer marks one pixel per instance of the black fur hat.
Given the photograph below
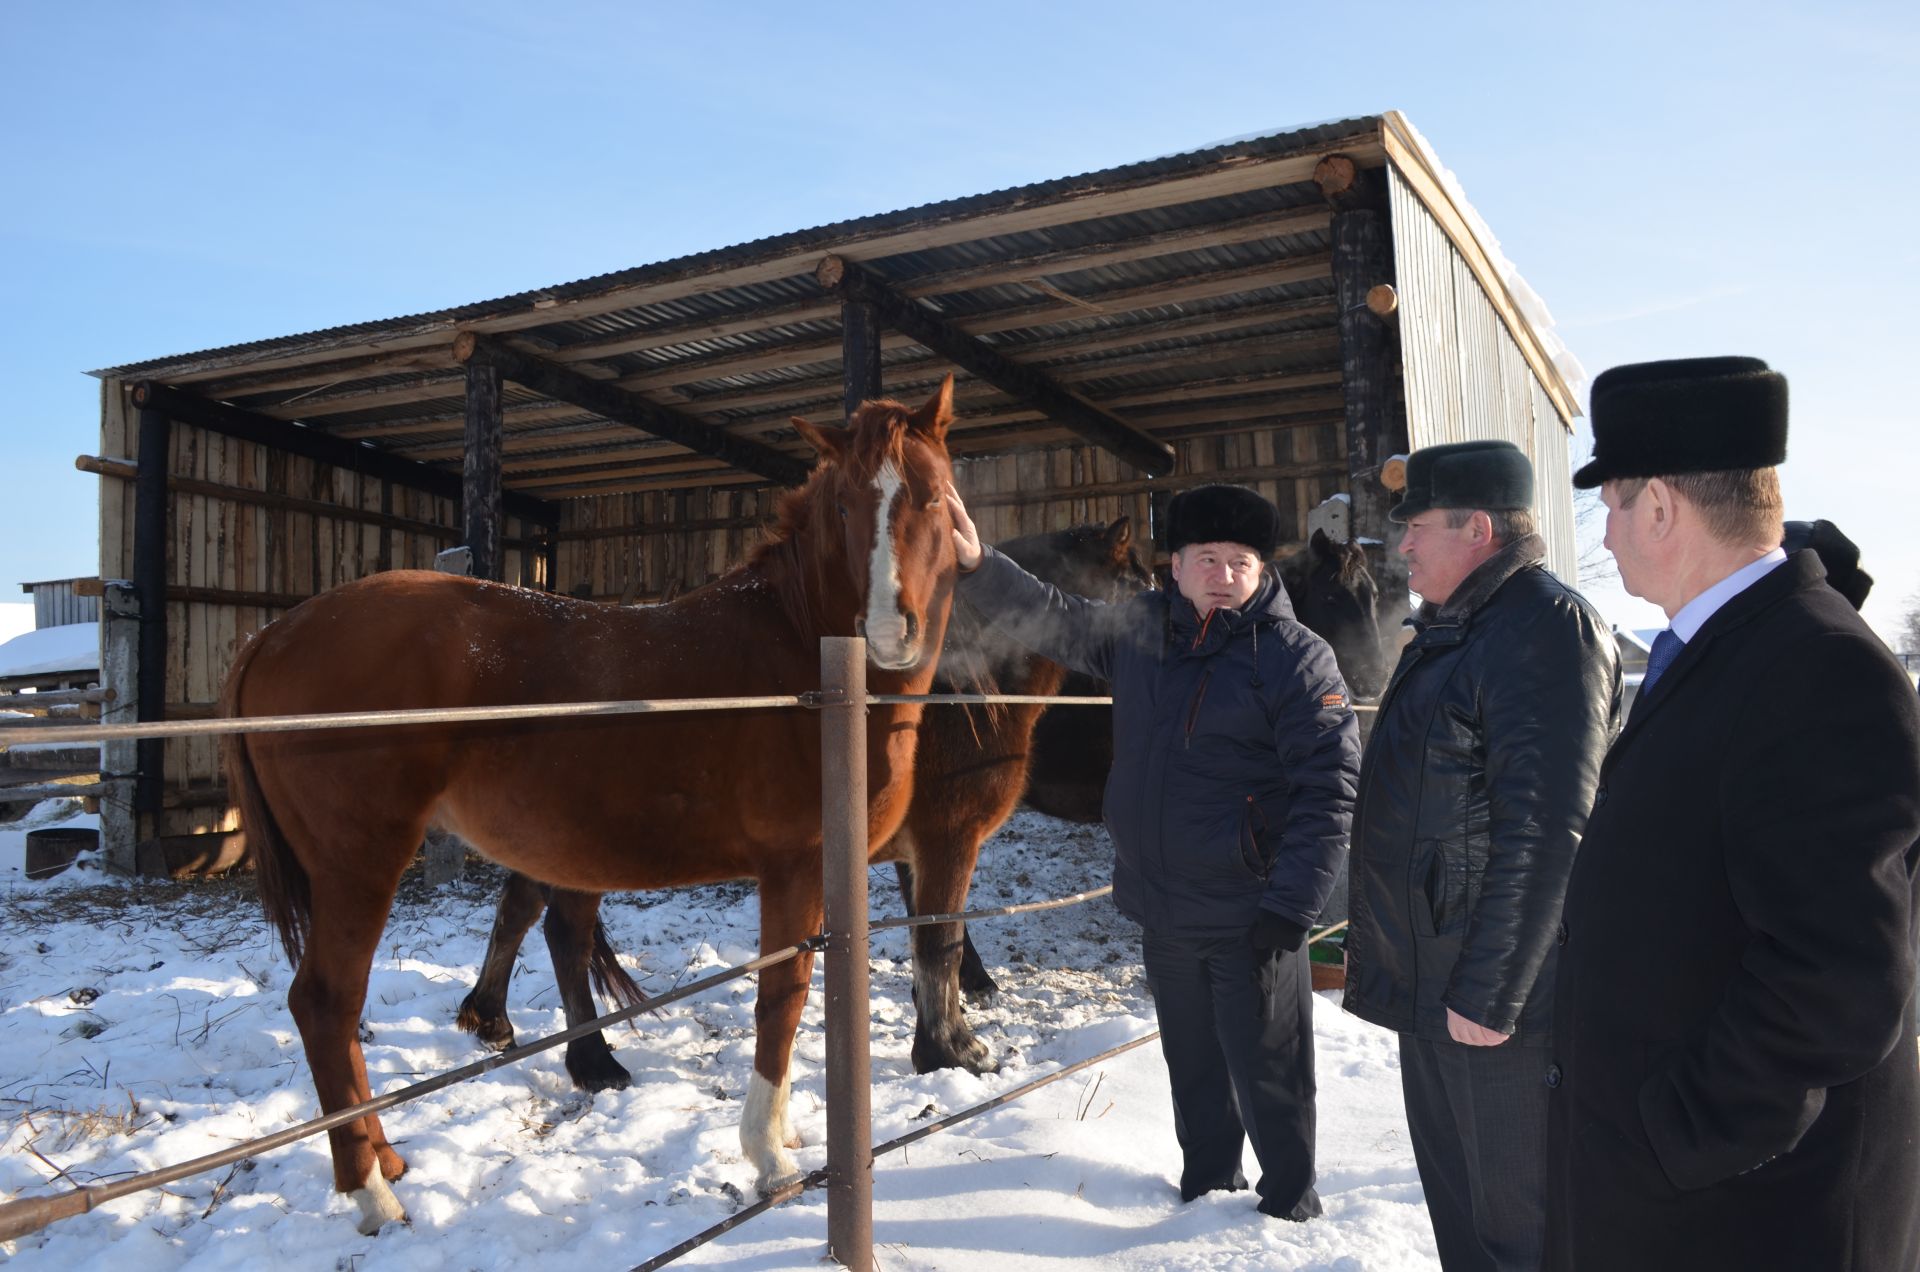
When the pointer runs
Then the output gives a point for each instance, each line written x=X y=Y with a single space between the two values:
x=1223 y=514
x=1689 y=415
x=1836 y=552
x=1481 y=474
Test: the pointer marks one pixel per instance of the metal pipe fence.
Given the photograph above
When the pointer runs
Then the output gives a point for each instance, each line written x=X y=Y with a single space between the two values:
x=848 y=1174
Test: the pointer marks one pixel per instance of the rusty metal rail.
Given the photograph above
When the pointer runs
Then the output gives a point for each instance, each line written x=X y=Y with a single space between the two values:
x=30 y=1214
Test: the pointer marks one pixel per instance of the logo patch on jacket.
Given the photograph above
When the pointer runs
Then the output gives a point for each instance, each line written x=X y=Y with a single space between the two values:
x=1329 y=701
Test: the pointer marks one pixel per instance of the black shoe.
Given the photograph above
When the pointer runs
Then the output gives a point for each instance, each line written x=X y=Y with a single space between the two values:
x=1308 y=1207
x=1189 y=1190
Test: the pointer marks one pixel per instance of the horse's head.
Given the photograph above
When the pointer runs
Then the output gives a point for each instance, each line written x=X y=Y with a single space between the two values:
x=1096 y=561
x=1334 y=593
x=882 y=486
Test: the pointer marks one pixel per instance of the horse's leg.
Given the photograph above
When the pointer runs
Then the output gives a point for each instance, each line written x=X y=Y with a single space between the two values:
x=484 y=1011
x=349 y=911
x=975 y=981
x=573 y=918
x=942 y=868
x=790 y=911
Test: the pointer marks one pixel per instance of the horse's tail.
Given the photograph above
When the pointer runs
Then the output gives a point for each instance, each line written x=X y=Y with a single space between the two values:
x=609 y=978
x=286 y=894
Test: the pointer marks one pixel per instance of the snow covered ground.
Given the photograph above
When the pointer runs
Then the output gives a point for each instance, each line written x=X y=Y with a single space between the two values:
x=73 y=647
x=142 y=1026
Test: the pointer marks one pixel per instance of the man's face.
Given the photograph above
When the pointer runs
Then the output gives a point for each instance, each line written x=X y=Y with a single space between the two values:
x=1439 y=556
x=1216 y=575
x=1626 y=537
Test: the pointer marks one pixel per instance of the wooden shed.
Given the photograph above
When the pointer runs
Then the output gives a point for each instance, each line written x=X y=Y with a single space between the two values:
x=1117 y=336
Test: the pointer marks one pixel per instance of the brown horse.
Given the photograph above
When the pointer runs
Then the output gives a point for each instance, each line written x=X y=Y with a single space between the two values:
x=969 y=771
x=602 y=803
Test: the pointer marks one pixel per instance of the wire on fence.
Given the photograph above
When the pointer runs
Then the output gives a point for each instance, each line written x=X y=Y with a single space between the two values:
x=30 y=1214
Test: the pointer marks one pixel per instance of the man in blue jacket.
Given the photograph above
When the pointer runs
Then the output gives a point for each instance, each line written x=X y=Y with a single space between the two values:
x=1229 y=802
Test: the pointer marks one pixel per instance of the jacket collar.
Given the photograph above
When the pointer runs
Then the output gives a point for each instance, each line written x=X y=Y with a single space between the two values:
x=1801 y=571
x=1190 y=634
x=1447 y=624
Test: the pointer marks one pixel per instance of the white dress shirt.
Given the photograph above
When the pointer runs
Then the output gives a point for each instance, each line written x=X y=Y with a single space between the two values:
x=1695 y=613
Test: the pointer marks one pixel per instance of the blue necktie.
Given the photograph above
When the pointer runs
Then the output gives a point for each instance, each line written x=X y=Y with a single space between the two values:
x=1666 y=648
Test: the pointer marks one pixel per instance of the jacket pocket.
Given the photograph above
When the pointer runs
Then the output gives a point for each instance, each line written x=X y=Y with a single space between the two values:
x=1438 y=896
x=1253 y=839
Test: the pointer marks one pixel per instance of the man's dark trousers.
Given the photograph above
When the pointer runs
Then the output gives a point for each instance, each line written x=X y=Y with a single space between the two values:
x=1236 y=1027
x=1478 y=1117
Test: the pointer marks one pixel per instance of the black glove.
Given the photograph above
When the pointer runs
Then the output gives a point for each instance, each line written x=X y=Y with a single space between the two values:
x=1274 y=932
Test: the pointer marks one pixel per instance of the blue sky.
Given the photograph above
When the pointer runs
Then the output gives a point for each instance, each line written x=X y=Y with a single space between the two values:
x=1673 y=179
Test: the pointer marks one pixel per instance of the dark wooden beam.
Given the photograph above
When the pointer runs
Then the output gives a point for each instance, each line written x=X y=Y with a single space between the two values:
x=860 y=354
x=480 y=471
x=150 y=536
x=234 y=421
x=857 y=285
x=1375 y=425
x=630 y=409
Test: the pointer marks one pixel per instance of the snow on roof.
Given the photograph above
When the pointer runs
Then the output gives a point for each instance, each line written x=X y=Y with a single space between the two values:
x=1531 y=307
x=70 y=647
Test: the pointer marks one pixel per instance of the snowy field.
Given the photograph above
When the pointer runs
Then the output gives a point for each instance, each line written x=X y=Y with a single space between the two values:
x=147 y=1025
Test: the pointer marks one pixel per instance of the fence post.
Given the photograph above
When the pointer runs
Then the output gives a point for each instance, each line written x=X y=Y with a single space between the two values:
x=843 y=810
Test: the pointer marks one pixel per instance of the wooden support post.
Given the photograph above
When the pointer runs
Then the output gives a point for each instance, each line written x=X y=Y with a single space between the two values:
x=1376 y=423
x=480 y=470
x=843 y=807
x=860 y=353
x=119 y=761
x=150 y=534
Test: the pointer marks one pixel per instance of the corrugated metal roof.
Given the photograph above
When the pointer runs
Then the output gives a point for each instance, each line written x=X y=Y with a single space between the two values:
x=1158 y=291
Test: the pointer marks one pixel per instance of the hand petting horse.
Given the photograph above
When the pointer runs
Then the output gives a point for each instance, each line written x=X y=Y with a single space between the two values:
x=603 y=803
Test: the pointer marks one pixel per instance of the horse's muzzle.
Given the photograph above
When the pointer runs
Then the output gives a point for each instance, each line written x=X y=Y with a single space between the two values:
x=892 y=646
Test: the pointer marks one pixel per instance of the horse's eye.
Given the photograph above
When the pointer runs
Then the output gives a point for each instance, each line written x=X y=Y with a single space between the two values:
x=843 y=512
x=934 y=502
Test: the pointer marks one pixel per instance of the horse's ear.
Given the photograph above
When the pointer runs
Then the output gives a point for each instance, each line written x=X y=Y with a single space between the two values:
x=933 y=418
x=1120 y=535
x=829 y=439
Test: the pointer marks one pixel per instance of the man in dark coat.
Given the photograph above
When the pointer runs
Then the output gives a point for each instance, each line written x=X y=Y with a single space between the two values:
x=1478 y=777
x=1735 y=1079
x=1234 y=758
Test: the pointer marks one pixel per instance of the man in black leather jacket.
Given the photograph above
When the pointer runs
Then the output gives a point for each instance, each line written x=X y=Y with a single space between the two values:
x=1473 y=795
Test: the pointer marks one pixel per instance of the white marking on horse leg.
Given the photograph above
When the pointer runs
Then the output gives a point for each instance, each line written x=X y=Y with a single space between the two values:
x=886 y=625
x=378 y=1205
x=764 y=1134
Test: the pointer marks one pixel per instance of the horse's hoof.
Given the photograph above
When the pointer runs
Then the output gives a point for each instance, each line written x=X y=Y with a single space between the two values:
x=983 y=993
x=494 y=1030
x=971 y=1055
x=595 y=1076
x=378 y=1206
x=768 y=1185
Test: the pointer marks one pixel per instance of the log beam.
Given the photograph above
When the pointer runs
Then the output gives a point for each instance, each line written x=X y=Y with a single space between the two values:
x=630 y=409
x=150 y=535
x=233 y=421
x=860 y=354
x=856 y=284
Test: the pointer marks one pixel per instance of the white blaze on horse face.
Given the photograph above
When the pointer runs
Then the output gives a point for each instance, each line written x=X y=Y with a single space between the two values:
x=889 y=643
x=764 y=1135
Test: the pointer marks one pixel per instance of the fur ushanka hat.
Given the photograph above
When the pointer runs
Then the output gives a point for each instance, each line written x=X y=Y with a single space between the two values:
x=1223 y=514
x=1480 y=474
x=1688 y=415
x=1837 y=553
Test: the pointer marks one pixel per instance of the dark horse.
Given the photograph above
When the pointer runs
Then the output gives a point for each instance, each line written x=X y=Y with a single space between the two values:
x=593 y=804
x=969 y=771
x=1333 y=594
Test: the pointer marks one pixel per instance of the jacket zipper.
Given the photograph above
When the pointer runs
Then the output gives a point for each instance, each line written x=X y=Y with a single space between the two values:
x=1193 y=712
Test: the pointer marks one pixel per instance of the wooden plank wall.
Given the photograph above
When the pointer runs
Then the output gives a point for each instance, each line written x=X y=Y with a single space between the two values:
x=672 y=540
x=233 y=565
